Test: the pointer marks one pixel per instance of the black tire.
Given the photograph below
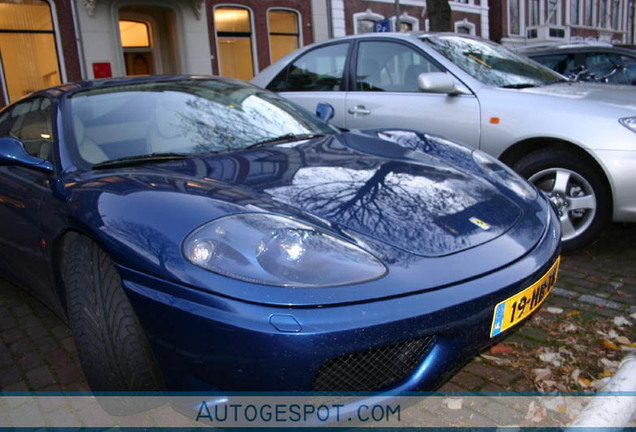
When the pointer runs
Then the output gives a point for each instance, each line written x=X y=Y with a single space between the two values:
x=581 y=193
x=112 y=347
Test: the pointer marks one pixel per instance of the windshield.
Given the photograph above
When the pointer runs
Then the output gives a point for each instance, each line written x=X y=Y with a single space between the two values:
x=180 y=118
x=491 y=63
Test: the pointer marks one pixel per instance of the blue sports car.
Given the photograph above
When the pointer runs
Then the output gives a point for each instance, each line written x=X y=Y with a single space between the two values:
x=204 y=234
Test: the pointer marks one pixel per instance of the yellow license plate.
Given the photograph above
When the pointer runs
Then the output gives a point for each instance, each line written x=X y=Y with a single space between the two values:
x=511 y=311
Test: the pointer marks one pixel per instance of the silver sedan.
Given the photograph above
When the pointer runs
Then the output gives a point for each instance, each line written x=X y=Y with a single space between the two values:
x=576 y=142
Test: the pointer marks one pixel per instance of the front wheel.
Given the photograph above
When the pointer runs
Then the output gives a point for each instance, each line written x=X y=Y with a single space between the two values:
x=577 y=189
x=113 y=350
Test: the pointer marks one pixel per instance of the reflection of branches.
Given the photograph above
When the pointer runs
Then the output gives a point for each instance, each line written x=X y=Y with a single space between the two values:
x=398 y=203
x=218 y=127
x=147 y=241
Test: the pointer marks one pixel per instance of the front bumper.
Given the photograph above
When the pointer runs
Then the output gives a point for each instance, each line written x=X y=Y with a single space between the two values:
x=206 y=342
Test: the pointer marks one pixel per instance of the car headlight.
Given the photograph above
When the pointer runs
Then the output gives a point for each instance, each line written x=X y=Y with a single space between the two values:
x=275 y=250
x=503 y=174
x=629 y=123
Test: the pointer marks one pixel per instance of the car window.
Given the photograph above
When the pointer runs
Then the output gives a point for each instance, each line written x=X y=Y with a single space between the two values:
x=30 y=122
x=390 y=66
x=321 y=69
x=611 y=68
x=186 y=117
x=562 y=63
x=491 y=63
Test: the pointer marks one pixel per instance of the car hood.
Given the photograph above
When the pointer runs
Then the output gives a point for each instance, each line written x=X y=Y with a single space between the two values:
x=401 y=205
x=618 y=96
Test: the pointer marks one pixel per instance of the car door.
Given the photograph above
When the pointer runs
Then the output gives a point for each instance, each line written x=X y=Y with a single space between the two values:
x=22 y=189
x=316 y=76
x=385 y=94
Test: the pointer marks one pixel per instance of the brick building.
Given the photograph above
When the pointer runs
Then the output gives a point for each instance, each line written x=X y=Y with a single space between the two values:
x=47 y=42
x=521 y=22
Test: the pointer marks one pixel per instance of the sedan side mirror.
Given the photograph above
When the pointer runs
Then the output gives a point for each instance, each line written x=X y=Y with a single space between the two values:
x=12 y=152
x=437 y=82
x=325 y=111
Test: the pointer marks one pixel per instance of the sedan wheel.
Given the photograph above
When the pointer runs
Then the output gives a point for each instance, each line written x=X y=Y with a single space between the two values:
x=577 y=190
x=573 y=197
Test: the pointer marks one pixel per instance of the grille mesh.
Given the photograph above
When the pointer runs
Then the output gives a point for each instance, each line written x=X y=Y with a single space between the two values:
x=375 y=369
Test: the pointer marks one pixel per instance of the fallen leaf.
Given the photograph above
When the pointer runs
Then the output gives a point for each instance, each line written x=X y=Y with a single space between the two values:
x=584 y=382
x=575 y=374
x=552 y=358
x=623 y=340
x=498 y=361
x=609 y=363
x=541 y=374
x=569 y=327
x=555 y=310
x=609 y=344
x=453 y=404
x=501 y=349
x=572 y=313
x=622 y=321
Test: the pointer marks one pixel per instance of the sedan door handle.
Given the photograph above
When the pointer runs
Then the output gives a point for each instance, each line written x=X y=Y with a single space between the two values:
x=360 y=110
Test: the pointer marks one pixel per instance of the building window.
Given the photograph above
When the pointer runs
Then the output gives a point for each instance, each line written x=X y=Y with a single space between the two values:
x=602 y=19
x=575 y=12
x=234 y=37
x=27 y=47
x=465 y=27
x=136 y=44
x=554 y=12
x=134 y=34
x=534 y=13
x=616 y=14
x=514 y=17
x=284 y=36
x=364 y=22
x=407 y=23
x=589 y=13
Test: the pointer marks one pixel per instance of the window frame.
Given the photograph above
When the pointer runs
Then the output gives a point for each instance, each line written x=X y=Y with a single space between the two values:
x=345 y=74
x=407 y=19
x=57 y=41
x=218 y=34
x=54 y=109
x=353 y=60
x=299 y=35
x=366 y=15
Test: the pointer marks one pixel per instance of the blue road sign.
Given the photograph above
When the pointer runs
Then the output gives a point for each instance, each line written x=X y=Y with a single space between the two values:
x=382 y=26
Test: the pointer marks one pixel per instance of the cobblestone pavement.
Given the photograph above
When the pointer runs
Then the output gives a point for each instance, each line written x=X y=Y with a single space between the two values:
x=37 y=350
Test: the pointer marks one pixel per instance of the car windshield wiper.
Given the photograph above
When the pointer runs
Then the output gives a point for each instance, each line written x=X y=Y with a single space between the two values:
x=519 y=86
x=141 y=159
x=284 y=138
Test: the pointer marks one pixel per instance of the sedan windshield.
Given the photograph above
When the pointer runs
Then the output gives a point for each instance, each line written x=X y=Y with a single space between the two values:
x=491 y=63
x=157 y=121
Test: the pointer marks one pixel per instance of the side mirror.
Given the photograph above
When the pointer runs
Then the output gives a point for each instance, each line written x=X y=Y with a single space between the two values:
x=12 y=152
x=437 y=82
x=325 y=111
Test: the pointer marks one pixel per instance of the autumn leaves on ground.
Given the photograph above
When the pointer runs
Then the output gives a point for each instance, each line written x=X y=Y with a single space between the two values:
x=582 y=350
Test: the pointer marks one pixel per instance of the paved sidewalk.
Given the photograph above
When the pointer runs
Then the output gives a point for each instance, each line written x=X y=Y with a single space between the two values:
x=37 y=350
